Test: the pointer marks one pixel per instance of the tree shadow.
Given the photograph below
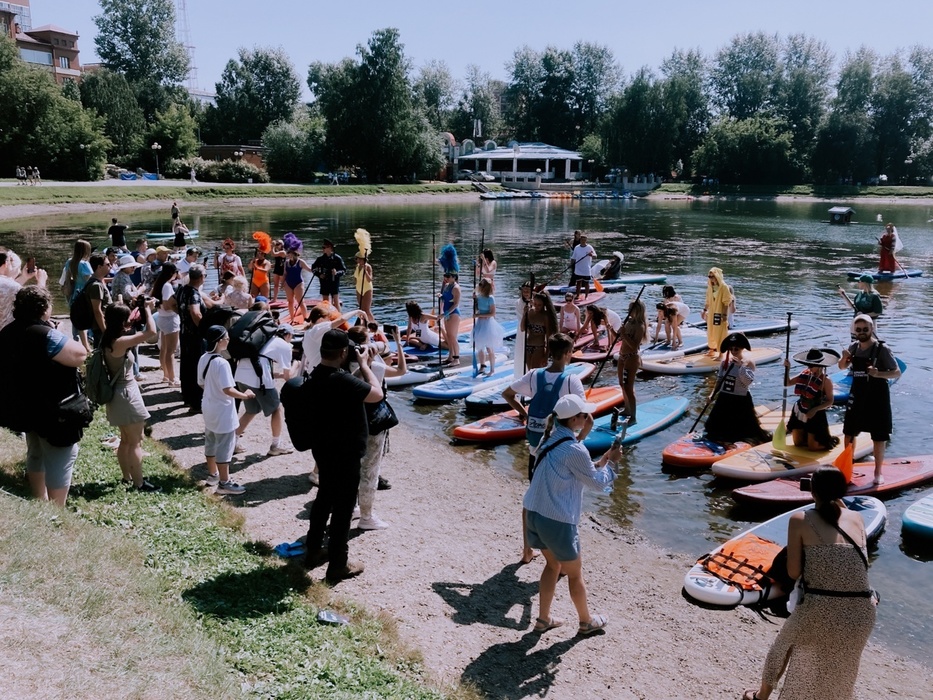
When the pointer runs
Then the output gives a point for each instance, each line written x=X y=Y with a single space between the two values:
x=262 y=591
x=516 y=669
x=489 y=602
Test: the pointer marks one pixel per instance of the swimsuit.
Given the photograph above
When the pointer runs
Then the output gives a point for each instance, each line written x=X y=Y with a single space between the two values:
x=447 y=297
x=363 y=283
x=569 y=320
x=260 y=276
x=278 y=265
x=293 y=274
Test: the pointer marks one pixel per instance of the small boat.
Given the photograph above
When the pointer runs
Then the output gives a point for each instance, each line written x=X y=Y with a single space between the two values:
x=163 y=235
x=653 y=416
x=842 y=382
x=886 y=276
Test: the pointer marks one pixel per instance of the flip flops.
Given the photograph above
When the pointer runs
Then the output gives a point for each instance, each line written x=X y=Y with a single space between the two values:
x=287 y=550
x=542 y=625
x=596 y=623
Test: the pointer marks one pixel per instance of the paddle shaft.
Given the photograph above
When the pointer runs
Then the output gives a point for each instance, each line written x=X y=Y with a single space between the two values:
x=477 y=273
x=440 y=358
x=618 y=336
x=786 y=368
x=709 y=401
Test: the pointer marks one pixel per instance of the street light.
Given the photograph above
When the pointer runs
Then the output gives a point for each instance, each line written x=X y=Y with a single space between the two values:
x=84 y=148
x=155 y=150
x=238 y=155
x=907 y=163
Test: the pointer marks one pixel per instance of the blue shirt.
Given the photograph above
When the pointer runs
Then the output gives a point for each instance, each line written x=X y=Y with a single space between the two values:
x=556 y=491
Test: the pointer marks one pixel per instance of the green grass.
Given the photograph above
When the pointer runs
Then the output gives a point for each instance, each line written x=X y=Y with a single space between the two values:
x=213 y=609
x=824 y=191
x=122 y=192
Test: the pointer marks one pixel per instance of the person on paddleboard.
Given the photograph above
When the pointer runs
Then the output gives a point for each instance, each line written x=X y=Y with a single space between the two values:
x=716 y=310
x=539 y=322
x=633 y=333
x=807 y=424
x=733 y=417
x=867 y=300
x=888 y=246
x=581 y=259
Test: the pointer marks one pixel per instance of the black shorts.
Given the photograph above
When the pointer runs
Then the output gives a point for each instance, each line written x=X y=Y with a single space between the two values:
x=330 y=287
x=864 y=418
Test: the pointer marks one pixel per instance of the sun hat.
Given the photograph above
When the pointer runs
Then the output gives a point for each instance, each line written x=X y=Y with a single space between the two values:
x=125 y=261
x=570 y=405
x=818 y=357
x=867 y=279
x=214 y=335
x=617 y=254
x=163 y=249
x=335 y=339
x=150 y=251
x=734 y=339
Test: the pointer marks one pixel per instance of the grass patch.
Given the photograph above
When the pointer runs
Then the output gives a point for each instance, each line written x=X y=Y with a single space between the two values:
x=824 y=191
x=123 y=192
x=165 y=590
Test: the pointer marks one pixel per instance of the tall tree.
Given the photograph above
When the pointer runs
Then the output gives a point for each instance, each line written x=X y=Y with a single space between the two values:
x=294 y=149
x=755 y=150
x=137 y=38
x=176 y=131
x=638 y=135
x=597 y=78
x=109 y=95
x=744 y=75
x=523 y=93
x=256 y=89
x=686 y=101
x=480 y=100
x=436 y=89
x=894 y=117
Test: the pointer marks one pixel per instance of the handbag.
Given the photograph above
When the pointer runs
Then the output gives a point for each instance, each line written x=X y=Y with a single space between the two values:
x=73 y=414
x=380 y=417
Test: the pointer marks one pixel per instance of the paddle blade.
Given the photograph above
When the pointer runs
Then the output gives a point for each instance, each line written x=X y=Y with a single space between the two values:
x=597 y=286
x=845 y=462
x=779 y=439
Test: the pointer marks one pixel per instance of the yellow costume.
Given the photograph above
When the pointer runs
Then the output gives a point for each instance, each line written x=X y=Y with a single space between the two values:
x=718 y=299
x=363 y=284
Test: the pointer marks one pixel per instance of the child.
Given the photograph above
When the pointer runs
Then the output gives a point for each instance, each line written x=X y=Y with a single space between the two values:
x=672 y=312
x=219 y=410
x=733 y=417
x=278 y=267
x=569 y=316
x=487 y=332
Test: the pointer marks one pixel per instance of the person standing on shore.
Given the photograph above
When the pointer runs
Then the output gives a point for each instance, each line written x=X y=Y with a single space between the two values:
x=12 y=277
x=869 y=405
x=554 y=502
x=191 y=305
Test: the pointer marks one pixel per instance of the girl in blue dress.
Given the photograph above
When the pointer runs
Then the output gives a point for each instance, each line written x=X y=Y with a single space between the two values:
x=487 y=331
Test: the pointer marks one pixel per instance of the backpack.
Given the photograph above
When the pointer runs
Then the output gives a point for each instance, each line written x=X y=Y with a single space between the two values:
x=295 y=402
x=98 y=382
x=81 y=314
x=249 y=335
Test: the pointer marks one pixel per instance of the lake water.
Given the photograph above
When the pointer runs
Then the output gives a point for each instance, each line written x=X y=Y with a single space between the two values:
x=779 y=257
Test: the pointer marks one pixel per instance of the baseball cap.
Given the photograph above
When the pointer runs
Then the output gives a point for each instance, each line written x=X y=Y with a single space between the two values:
x=163 y=249
x=570 y=405
x=335 y=339
x=213 y=335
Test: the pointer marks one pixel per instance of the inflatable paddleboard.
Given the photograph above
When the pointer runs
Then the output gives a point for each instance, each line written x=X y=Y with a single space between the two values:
x=764 y=463
x=899 y=474
x=507 y=427
x=609 y=286
x=886 y=276
x=706 y=587
x=421 y=373
x=652 y=416
x=918 y=518
x=701 y=363
x=461 y=386
x=490 y=398
x=163 y=235
x=748 y=325
x=842 y=382
x=695 y=451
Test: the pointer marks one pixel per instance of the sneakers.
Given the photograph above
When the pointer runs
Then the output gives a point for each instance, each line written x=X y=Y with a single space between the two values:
x=231 y=488
x=356 y=511
x=312 y=477
x=148 y=487
x=384 y=484
x=239 y=449
x=276 y=451
x=212 y=479
x=372 y=523
x=349 y=571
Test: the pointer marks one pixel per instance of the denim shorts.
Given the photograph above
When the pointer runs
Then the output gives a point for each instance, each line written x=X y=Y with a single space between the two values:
x=560 y=538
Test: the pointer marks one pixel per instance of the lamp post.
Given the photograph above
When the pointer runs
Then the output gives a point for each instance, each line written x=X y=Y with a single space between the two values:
x=537 y=178
x=237 y=155
x=155 y=150
x=84 y=148
x=907 y=163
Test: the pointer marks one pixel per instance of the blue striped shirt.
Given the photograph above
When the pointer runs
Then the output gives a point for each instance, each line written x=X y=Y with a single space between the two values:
x=556 y=491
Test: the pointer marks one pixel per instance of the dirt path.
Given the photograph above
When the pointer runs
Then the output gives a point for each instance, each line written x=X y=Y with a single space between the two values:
x=446 y=570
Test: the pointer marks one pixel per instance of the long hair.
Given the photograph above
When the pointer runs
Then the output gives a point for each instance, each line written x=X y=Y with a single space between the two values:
x=828 y=485
x=115 y=319
x=549 y=425
x=549 y=310
x=637 y=322
x=81 y=252
x=166 y=273
x=413 y=309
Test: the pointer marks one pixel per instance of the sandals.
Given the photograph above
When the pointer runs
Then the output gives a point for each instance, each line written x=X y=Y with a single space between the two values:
x=878 y=481
x=750 y=695
x=596 y=623
x=542 y=625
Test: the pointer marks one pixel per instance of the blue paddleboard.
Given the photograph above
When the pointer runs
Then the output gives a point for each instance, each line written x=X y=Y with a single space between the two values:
x=886 y=276
x=918 y=518
x=652 y=416
x=451 y=388
x=842 y=382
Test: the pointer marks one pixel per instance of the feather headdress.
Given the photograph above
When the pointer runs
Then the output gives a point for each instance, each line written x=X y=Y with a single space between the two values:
x=263 y=240
x=292 y=243
x=364 y=241
x=448 y=259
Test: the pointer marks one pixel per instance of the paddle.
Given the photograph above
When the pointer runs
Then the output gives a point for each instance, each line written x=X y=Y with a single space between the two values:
x=618 y=336
x=712 y=396
x=779 y=439
x=440 y=358
x=475 y=301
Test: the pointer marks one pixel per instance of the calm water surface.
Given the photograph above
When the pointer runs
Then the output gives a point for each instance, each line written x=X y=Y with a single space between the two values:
x=779 y=258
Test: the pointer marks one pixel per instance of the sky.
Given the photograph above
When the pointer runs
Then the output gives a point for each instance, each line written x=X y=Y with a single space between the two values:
x=487 y=34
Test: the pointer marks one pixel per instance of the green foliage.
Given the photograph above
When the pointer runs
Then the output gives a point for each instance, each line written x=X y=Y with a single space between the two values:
x=176 y=131
x=638 y=134
x=757 y=150
x=230 y=171
x=71 y=91
x=137 y=38
x=111 y=97
x=294 y=149
x=480 y=98
x=257 y=89
x=745 y=74
x=434 y=88
x=686 y=104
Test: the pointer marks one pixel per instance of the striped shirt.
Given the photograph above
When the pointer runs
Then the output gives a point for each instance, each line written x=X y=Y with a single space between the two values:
x=556 y=491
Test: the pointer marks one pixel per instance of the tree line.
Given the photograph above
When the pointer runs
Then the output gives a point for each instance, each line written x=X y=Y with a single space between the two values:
x=763 y=109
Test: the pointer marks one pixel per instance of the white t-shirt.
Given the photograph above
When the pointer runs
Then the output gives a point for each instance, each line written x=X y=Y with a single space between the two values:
x=614 y=320
x=277 y=350
x=8 y=290
x=168 y=291
x=311 y=344
x=582 y=255
x=183 y=266
x=218 y=409
x=528 y=385
x=378 y=367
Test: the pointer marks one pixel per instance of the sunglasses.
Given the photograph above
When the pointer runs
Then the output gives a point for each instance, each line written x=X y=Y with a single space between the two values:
x=863 y=330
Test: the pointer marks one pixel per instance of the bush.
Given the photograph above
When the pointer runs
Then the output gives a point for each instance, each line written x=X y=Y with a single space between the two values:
x=214 y=171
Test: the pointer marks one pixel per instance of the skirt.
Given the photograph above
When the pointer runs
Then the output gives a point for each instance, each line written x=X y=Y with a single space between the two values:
x=127 y=406
x=817 y=426
x=487 y=333
x=733 y=419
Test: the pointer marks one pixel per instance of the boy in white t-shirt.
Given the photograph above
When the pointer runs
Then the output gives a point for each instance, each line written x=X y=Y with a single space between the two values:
x=219 y=411
x=275 y=353
x=581 y=258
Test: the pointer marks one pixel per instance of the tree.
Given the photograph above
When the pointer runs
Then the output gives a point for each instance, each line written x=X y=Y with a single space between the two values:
x=176 y=131
x=638 y=135
x=744 y=75
x=523 y=93
x=597 y=78
x=894 y=116
x=481 y=100
x=110 y=96
x=294 y=149
x=435 y=89
x=257 y=89
x=137 y=38
x=686 y=103
x=756 y=150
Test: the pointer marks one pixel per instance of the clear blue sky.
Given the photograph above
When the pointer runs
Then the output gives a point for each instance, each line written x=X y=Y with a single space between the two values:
x=487 y=33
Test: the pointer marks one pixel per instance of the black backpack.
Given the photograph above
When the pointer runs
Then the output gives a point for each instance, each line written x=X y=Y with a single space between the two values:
x=81 y=314
x=296 y=402
x=249 y=335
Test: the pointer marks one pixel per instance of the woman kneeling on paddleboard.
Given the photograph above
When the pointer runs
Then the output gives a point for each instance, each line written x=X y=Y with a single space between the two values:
x=733 y=417
x=807 y=424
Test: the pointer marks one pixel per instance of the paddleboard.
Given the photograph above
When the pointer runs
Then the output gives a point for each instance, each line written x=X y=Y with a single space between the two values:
x=490 y=398
x=701 y=363
x=764 y=463
x=842 y=382
x=507 y=427
x=701 y=585
x=591 y=298
x=748 y=325
x=609 y=286
x=163 y=235
x=652 y=416
x=918 y=518
x=421 y=373
x=461 y=386
x=899 y=474
x=695 y=451
x=886 y=276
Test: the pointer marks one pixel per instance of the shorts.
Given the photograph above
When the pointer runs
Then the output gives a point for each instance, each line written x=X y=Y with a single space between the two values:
x=57 y=463
x=329 y=287
x=560 y=538
x=168 y=322
x=219 y=445
x=574 y=278
x=266 y=400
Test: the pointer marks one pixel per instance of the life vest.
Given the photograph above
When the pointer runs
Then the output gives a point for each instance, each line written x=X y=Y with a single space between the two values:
x=542 y=403
x=744 y=562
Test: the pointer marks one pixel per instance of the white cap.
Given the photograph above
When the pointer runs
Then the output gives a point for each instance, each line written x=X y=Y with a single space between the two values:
x=570 y=405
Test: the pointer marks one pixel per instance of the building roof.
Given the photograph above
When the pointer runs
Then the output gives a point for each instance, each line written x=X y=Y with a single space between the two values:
x=522 y=151
x=842 y=210
x=26 y=39
x=54 y=29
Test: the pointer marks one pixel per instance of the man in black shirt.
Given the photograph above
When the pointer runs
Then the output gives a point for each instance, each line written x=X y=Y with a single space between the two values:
x=338 y=419
x=329 y=268
x=117 y=233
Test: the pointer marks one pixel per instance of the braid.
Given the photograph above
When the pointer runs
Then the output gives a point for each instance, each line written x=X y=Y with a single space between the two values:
x=549 y=426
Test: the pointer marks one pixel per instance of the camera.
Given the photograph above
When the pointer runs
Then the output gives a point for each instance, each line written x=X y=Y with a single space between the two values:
x=360 y=349
x=389 y=329
x=805 y=482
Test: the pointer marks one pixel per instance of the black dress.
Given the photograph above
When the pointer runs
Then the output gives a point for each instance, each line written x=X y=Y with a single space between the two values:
x=733 y=417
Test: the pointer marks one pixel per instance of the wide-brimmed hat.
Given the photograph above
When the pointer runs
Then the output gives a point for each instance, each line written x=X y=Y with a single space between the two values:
x=733 y=340
x=570 y=405
x=818 y=357
x=617 y=254
x=127 y=261
x=149 y=251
